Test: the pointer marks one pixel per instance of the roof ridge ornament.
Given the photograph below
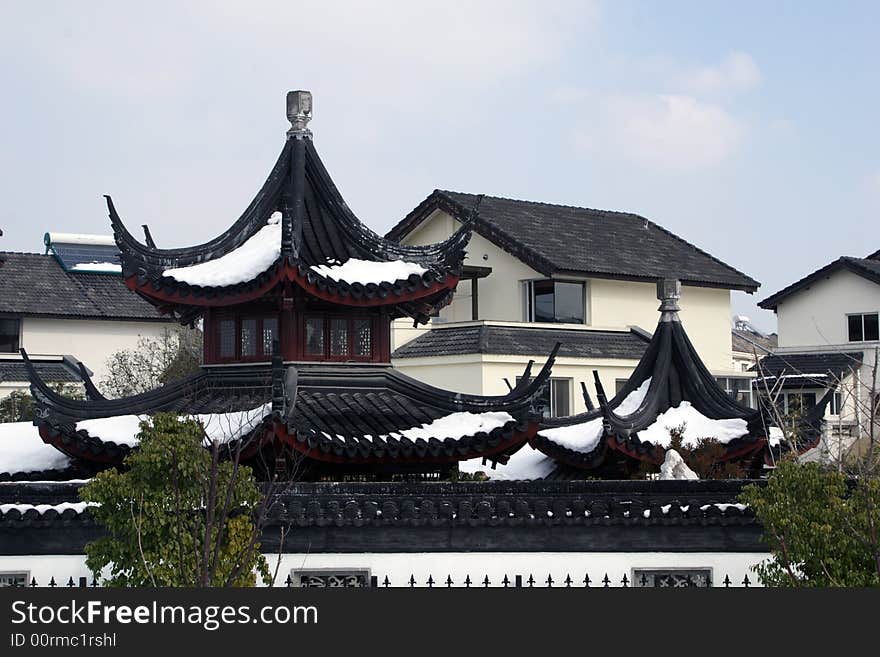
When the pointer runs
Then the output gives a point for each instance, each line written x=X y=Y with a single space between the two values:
x=299 y=113
x=669 y=292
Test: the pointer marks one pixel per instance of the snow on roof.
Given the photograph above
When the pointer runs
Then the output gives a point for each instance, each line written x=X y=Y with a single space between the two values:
x=367 y=271
x=79 y=507
x=99 y=267
x=223 y=427
x=585 y=436
x=240 y=265
x=633 y=400
x=22 y=450
x=696 y=426
x=459 y=425
x=527 y=463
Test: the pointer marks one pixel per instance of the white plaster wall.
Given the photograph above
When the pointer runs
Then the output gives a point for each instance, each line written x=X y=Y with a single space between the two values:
x=399 y=567
x=816 y=316
x=610 y=303
x=91 y=341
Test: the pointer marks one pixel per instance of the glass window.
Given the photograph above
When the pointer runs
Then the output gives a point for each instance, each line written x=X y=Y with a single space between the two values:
x=556 y=302
x=315 y=336
x=863 y=328
x=835 y=404
x=363 y=338
x=737 y=388
x=270 y=334
x=227 y=338
x=338 y=337
x=9 y=332
x=248 y=338
x=555 y=401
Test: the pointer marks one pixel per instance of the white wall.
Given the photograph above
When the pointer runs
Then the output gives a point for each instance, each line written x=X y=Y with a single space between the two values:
x=91 y=341
x=816 y=316
x=400 y=566
x=610 y=303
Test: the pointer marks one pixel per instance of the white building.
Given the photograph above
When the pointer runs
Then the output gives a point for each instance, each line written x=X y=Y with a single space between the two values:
x=66 y=305
x=828 y=333
x=538 y=273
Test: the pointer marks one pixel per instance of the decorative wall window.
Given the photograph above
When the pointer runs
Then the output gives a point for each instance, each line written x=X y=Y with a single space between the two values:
x=672 y=578
x=338 y=338
x=737 y=388
x=13 y=579
x=246 y=338
x=863 y=328
x=555 y=401
x=10 y=331
x=329 y=578
x=556 y=302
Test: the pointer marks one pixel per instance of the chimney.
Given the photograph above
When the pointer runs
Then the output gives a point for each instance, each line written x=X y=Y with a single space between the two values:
x=299 y=113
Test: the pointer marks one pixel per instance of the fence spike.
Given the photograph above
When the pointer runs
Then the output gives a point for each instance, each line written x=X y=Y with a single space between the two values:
x=94 y=580
x=624 y=581
x=52 y=582
x=746 y=581
x=606 y=582
x=33 y=582
x=430 y=581
x=70 y=582
x=412 y=580
x=549 y=580
x=467 y=581
x=568 y=580
x=288 y=582
x=506 y=581
x=531 y=581
x=643 y=581
x=386 y=582
x=727 y=581
x=486 y=581
x=587 y=580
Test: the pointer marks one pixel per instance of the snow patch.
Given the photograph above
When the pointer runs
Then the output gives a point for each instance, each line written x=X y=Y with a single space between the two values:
x=22 y=450
x=776 y=436
x=581 y=437
x=367 y=271
x=223 y=427
x=240 y=265
x=458 y=425
x=526 y=464
x=633 y=400
x=697 y=426
x=674 y=467
x=98 y=267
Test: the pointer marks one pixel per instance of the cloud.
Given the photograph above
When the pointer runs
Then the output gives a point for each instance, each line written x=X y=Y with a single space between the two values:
x=666 y=132
x=736 y=72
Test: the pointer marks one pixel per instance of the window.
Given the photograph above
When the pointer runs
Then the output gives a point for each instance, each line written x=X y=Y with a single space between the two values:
x=737 y=388
x=249 y=338
x=672 y=578
x=331 y=578
x=836 y=404
x=863 y=328
x=13 y=579
x=556 y=399
x=556 y=302
x=338 y=338
x=9 y=335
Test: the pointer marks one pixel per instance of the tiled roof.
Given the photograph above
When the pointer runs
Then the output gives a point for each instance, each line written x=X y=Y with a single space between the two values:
x=525 y=341
x=53 y=371
x=36 y=285
x=747 y=342
x=559 y=238
x=808 y=369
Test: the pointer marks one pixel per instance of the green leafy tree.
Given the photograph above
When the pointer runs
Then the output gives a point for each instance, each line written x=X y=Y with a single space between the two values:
x=18 y=406
x=820 y=526
x=178 y=515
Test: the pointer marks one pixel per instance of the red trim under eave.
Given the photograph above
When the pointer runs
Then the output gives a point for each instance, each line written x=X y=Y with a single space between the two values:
x=290 y=274
x=327 y=457
x=657 y=455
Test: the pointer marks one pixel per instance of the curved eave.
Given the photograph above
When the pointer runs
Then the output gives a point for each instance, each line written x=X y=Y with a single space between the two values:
x=571 y=457
x=168 y=291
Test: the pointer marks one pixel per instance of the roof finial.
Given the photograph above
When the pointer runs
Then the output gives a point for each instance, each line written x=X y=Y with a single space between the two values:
x=669 y=292
x=299 y=113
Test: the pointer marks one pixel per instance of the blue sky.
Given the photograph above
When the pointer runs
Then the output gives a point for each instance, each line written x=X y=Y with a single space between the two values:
x=749 y=129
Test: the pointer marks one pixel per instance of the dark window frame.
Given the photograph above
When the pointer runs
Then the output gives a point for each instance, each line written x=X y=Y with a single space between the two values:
x=16 y=344
x=862 y=329
x=530 y=305
x=350 y=355
x=260 y=354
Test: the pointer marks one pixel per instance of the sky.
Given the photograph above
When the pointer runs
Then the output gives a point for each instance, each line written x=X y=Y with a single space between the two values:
x=748 y=128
